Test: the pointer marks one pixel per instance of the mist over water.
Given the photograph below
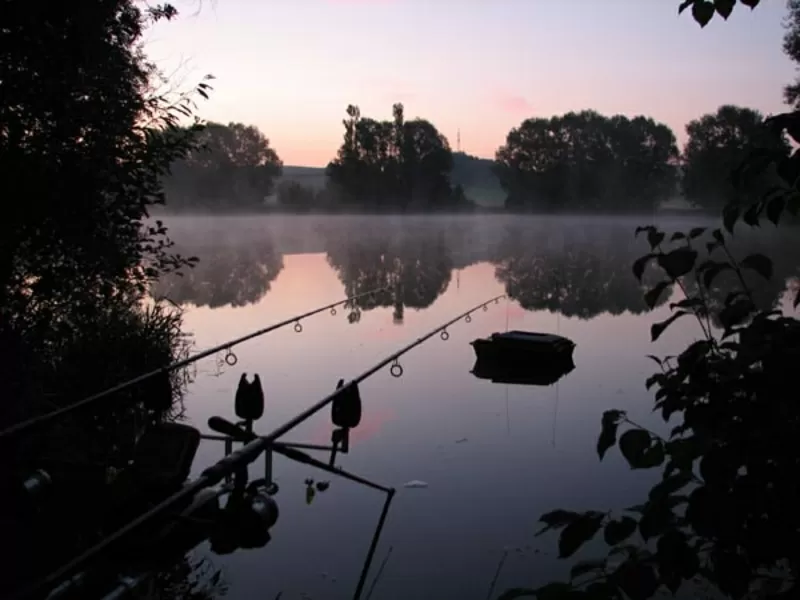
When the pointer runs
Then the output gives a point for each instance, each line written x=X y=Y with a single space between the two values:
x=494 y=456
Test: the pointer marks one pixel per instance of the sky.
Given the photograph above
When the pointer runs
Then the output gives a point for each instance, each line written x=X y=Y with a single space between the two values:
x=478 y=67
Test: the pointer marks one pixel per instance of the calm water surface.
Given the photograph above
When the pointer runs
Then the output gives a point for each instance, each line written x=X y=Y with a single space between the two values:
x=494 y=456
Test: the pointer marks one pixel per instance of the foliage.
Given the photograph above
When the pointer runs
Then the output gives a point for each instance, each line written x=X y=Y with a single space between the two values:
x=88 y=129
x=791 y=47
x=724 y=510
x=717 y=144
x=388 y=165
x=585 y=161
x=232 y=167
x=84 y=139
x=297 y=197
x=704 y=10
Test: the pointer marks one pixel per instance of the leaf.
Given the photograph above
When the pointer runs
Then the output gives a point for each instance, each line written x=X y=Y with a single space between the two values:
x=654 y=521
x=751 y=214
x=712 y=269
x=671 y=552
x=584 y=567
x=758 y=263
x=637 y=580
x=608 y=433
x=702 y=11
x=652 y=296
x=687 y=303
x=640 y=265
x=670 y=485
x=730 y=214
x=556 y=519
x=619 y=530
x=657 y=378
x=678 y=235
x=684 y=5
x=578 y=533
x=735 y=313
x=656 y=329
x=654 y=237
x=678 y=262
x=697 y=232
x=655 y=359
x=724 y=7
x=750 y=3
x=633 y=444
x=775 y=209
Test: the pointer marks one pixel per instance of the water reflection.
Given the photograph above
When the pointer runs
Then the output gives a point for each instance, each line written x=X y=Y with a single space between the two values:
x=413 y=268
x=571 y=268
x=575 y=273
x=229 y=273
x=488 y=480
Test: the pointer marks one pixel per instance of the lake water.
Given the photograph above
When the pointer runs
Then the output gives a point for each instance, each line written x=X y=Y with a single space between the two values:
x=494 y=456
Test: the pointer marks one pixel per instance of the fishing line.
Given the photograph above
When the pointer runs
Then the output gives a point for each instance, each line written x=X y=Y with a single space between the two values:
x=230 y=359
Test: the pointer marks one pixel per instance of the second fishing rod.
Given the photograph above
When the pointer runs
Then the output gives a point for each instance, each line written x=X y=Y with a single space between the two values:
x=84 y=403
x=217 y=472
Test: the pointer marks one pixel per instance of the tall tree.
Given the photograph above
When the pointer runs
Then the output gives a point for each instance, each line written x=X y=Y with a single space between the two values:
x=85 y=140
x=585 y=161
x=392 y=164
x=232 y=166
x=717 y=144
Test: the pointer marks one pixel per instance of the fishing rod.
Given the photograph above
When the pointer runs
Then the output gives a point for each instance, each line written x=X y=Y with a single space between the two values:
x=241 y=458
x=46 y=418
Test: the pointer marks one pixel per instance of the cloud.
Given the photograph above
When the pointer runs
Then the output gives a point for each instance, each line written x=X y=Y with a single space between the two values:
x=513 y=103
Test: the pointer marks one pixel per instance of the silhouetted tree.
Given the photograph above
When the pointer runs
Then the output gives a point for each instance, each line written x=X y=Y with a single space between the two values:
x=85 y=139
x=791 y=47
x=389 y=165
x=717 y=144
x=232 y=167
x=585 y=161
x=297 y=197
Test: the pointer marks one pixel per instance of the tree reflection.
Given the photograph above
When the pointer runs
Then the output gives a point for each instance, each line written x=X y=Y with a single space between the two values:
x=577 y=273
x=229 y=274
x=584 y=272
x=414 y=267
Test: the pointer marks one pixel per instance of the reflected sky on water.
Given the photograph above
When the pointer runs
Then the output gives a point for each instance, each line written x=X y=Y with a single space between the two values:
x=494 y=456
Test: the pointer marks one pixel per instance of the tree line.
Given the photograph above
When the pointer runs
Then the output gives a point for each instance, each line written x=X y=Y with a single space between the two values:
x=579 y=161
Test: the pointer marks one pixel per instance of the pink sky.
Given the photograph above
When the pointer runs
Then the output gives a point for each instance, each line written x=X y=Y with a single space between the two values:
x=291 y=67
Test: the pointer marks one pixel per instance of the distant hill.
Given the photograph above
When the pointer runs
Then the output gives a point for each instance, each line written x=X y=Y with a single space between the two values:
x=476 y=177
x=473 y=173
